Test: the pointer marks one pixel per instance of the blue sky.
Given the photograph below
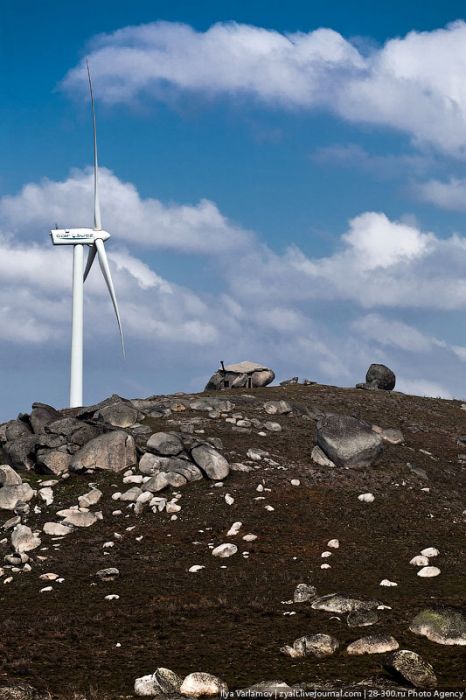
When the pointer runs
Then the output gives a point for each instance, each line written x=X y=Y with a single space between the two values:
x=283 y=182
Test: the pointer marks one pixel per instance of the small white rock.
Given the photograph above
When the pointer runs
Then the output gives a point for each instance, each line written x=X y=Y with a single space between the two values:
x=430 y=552
x=249 y=537
x=195 y=568
x=334 y=544
x=47 y=589
x=225 y=550
x=428 y=572
x=386 y=582
x=366 y=497
x=234 y=529
x=325 y=566
x=229 y=500
x=325 y=555
x=295 y=482
x=112 y=596
x=269 y=508
x=419 y=560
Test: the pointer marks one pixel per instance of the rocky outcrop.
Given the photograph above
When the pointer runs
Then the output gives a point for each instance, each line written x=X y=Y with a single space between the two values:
x=241 y=375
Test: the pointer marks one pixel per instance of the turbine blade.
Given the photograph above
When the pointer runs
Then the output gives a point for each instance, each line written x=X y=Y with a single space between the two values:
x=90 y=259
x=97 y=217
x=99 y=244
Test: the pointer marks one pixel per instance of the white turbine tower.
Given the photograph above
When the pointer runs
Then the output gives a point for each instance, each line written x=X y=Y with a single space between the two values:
x=78 y=238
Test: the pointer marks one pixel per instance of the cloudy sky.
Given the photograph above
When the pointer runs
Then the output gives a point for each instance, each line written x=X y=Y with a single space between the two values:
x=283 y=182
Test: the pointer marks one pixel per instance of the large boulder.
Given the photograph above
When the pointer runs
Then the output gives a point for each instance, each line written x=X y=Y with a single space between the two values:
x=443 y=626
x=53 y=462
x=381 y=377
x=348 y=441
x=114 y=452
x=16 y=429
x=412 y=667
x=165 y=444
x=211 y=462
x=21 y=452
x=41 y=415
x=120 y=414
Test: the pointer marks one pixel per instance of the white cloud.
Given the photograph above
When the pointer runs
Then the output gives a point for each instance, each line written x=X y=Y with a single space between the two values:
x=200 y=228
x=395 y=333
x=414 y=84
x=447 y=195
x=380 y=263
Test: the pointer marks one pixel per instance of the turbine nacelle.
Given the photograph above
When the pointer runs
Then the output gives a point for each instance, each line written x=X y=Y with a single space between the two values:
x=74 y=236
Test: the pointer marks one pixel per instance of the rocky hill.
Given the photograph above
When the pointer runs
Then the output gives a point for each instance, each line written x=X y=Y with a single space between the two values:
x=296 y=537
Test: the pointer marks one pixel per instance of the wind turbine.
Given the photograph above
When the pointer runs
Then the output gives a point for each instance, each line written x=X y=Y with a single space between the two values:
x=78 y=238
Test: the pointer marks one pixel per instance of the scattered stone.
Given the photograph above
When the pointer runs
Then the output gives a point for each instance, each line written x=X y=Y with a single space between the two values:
x=272 y=427
x=304 y=593
x=79 y=519
x=229 y=500
x=386 y=582
x=56 y=529
x=443 y=626
x=211 y=462
x=318 y=645
x=428 y=572
x=250 y=537
x=203 y=685
x=336 y=603
x=195 y=568
x=23 y=539
x=225 y=550
x=419 y=561
x=90 y=499
x=412 y=668
x=374 y=644
x=430 y=552
x=348 y=441
x=167 y=681
x=277 y=407
x=234 y=529
x=366 y=497
x=334 y=544
x=11 y=496
x=295 y=482
x=156 y=483
x=107 y=574
x=46 y=495
x=131 y=495
x=362 y=618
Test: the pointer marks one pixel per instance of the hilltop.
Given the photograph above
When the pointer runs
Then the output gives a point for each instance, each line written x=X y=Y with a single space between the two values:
x=244 y=457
